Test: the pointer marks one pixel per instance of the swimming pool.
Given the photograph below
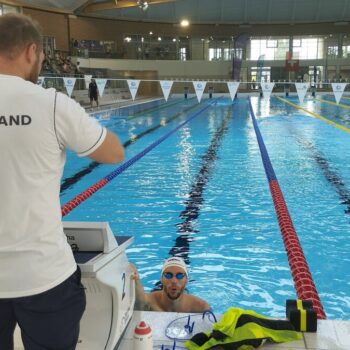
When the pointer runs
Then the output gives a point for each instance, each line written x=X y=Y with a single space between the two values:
x=203 y=193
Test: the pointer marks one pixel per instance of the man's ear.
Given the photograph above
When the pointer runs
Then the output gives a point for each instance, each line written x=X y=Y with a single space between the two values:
x=31 y=53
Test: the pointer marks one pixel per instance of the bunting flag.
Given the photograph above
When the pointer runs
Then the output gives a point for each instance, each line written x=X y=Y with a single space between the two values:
x=69 y=84
x=133 y=87
x=233 y=87
x=199 y=87
x=40 y=81
x=267 y=89
x=302 y=90
x=338 y=90
x=87 y=79
x=101 y=83
x=166 y=86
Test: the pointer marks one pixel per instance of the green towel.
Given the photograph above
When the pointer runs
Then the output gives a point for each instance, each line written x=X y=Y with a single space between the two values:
x=243 y=330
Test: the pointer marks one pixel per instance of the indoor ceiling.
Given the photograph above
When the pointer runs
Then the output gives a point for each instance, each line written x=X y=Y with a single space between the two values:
x=206 y=11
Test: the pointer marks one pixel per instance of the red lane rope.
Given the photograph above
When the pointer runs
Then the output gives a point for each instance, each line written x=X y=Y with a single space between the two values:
x=301 y=274
x=303 y=282
x=69 y=206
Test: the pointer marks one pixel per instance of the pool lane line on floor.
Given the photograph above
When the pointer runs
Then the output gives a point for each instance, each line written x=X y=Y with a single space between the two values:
x=331 y=175
x=195 y=197
x=77 y=200
x=341 y=127
x=73 y=179
x=303 y=281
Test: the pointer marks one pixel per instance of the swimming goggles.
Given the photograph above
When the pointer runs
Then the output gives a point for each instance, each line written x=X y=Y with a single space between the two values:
x=170 y=275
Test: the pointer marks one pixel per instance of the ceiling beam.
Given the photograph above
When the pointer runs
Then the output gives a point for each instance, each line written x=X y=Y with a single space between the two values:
x=119 y=4
x=83 y=6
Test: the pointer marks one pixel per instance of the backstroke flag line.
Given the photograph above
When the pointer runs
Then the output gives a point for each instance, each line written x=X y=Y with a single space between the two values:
x=302 y=90
x=199 y=87
x=338 y=90
x=166 y=87
x=69 y=84
x=133 y=87
x=101 y=84
x=267 y=89
x=232 y=88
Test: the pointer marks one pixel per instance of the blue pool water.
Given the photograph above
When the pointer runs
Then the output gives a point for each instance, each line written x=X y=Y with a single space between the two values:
x=203 y=193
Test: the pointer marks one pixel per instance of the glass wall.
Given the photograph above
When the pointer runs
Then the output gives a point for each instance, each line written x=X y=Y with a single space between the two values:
x=220 y=49
x=8 y=9
x=156 y=47
x=308 y=48
x=273 y=48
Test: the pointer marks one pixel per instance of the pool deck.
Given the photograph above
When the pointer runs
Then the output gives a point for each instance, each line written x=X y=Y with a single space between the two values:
x=331 y=334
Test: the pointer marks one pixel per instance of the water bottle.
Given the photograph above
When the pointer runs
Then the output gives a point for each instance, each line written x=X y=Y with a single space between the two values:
x=143 y=337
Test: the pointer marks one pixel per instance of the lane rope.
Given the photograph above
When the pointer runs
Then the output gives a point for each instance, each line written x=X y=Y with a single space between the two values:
x=73 y=179
x=341 y=127
x=73 y=203
x=333 y=103
x=301 y=274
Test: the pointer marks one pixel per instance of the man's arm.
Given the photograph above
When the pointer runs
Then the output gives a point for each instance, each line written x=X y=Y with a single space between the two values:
x=110 y=151
x=196 y=304
x=141 y=298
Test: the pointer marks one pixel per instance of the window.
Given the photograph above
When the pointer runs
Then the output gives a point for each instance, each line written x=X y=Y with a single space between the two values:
x=49 y=44
x=296 y=42
x=215 y=54
x=273 y=49
x=346 y=51
x=228 y=55
x=271 y=43
x=8 y=9
x=183 y=54
x=308 y=48
x=332 y=51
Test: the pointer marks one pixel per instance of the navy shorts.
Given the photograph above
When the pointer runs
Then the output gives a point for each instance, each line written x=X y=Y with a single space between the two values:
x=48 y=320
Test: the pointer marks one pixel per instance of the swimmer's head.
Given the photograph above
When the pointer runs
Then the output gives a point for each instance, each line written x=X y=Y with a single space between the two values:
x=177 y=262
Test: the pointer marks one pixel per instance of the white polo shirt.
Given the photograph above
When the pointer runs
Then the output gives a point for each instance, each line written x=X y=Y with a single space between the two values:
x=36 y=126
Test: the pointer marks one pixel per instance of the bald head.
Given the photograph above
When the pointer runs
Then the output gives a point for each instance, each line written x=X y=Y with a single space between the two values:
x=17 y=32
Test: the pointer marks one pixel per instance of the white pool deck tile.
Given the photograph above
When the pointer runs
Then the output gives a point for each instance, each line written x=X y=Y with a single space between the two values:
x=331 y=334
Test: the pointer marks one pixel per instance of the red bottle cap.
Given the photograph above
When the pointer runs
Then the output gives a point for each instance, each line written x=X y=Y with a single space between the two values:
x=142 y=328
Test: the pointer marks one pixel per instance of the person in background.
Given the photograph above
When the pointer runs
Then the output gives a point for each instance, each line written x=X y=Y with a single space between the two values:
x=93 y=92
x=77 y=71
x=172 y=298
x=40 y=287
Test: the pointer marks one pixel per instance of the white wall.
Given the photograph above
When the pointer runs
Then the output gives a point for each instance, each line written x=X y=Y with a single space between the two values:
x=197 y=69
x=169 y=69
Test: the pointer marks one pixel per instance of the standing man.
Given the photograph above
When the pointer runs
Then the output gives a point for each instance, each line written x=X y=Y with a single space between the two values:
x=93 y=92
x=40 y=285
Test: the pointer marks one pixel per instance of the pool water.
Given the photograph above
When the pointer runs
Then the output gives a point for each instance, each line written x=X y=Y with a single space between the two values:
x=203 y=194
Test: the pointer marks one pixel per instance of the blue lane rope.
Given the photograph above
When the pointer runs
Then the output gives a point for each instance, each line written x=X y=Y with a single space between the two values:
x=138 y=156
x=69 y=206
x=270 y=173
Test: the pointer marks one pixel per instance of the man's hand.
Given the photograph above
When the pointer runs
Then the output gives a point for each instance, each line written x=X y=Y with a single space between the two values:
x=135 y=274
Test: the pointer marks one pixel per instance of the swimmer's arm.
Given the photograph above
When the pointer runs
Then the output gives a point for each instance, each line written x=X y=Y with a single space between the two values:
x=142 y=301
x=203 y=306
x=198 y=304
